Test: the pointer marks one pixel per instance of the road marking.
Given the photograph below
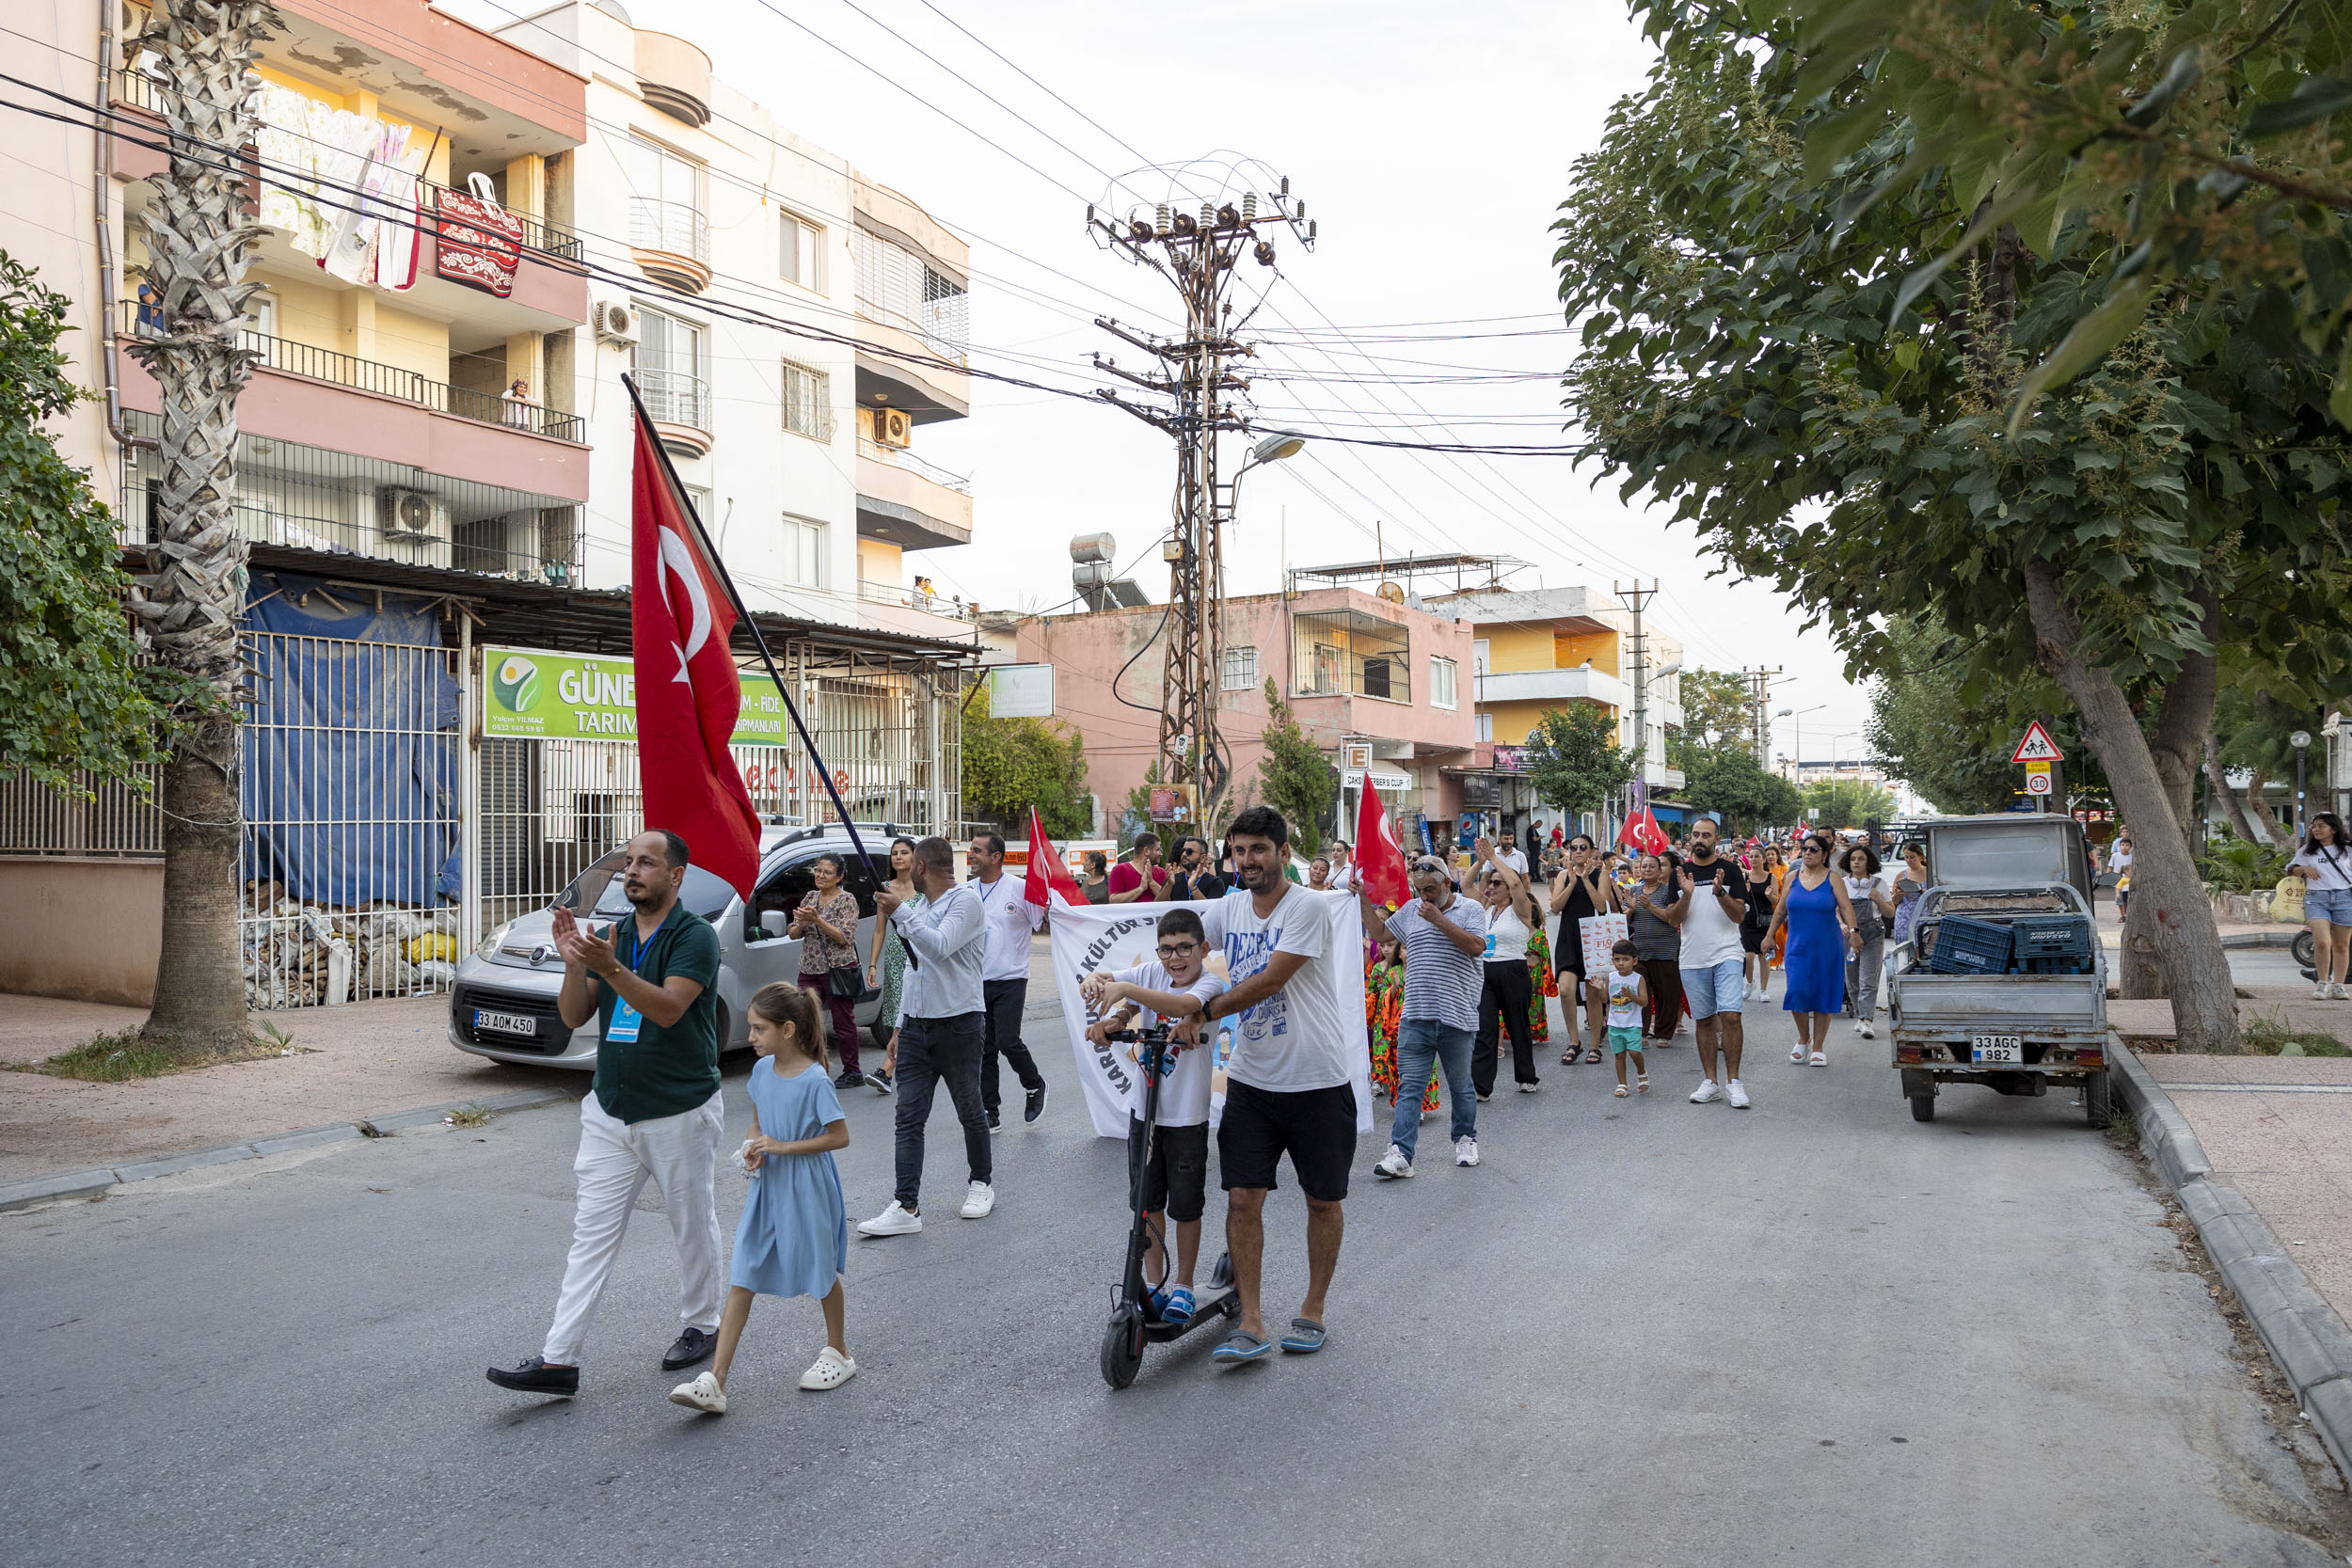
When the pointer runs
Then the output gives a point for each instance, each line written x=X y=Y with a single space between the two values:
x=2256 y=1088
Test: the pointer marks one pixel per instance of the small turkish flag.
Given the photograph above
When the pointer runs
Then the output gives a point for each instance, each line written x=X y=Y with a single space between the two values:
x=1641 y=832
x=1380 y=858
x=1047 y=875
x=688 y=691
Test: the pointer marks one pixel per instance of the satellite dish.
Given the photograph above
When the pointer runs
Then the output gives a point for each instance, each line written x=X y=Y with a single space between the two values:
x=1392 y=591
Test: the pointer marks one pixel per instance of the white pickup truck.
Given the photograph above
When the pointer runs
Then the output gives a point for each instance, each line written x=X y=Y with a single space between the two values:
x=2014 y=1033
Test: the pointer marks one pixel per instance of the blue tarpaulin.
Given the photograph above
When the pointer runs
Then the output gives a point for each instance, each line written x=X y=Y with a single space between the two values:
x=350 y=747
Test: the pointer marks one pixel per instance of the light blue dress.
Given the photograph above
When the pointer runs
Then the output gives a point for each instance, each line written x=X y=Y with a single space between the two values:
x=793 y=1238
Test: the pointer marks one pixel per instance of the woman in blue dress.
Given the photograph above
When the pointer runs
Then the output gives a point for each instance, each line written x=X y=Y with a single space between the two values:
x=1819 y=922
x=793 y=1238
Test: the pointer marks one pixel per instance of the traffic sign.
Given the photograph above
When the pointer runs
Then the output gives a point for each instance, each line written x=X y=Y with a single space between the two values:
x=2037 y=746
x=2037 y=783
x=2041 y=767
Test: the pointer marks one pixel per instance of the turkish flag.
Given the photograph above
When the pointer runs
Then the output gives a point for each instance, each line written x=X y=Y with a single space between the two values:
x=1380 y=858
x=1641 y=832
x=1047 y=874
x=687 y=692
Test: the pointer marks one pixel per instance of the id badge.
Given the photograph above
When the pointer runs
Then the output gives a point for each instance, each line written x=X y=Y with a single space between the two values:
x=625 y=1024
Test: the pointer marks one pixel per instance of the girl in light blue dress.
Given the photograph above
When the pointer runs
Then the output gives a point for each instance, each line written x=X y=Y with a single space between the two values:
x=793 y=1238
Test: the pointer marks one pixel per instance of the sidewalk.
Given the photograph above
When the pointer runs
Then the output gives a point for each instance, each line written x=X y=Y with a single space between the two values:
x=368 y=1059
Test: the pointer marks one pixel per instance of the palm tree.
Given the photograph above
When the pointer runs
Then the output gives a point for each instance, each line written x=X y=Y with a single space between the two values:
x=189 y=603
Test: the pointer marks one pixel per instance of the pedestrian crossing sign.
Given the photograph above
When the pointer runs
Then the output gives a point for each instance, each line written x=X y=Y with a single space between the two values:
x=2038 y=746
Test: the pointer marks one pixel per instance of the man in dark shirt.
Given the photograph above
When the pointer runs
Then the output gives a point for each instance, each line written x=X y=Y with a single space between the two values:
x=655 y=1110
x=1195 y=878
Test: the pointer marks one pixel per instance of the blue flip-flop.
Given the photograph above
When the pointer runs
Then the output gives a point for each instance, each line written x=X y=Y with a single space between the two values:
x=1242 y=1347
x=1304 y=1337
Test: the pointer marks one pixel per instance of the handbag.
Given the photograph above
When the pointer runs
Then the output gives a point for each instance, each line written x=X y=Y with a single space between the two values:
x=2286 y=900
x=845 y=983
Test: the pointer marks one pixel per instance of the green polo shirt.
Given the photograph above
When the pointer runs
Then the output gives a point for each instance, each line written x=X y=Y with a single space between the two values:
x=664 y=1071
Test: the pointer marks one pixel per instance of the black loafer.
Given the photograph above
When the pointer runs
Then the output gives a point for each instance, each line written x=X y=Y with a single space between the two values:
x=692 y=1345
x=1036 y=1106
x=536 y=1376
x=849 y=1081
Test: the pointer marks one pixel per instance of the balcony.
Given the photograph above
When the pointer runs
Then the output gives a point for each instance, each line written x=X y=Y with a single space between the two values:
x=670 y=242
x=954 y=608
x=909 y=502
x=679 y=402
x=1583 y=683
x=548 y=239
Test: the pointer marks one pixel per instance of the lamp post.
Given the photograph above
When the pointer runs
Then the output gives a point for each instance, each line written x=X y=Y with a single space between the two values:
x=2300 y=740
x=1798 y=714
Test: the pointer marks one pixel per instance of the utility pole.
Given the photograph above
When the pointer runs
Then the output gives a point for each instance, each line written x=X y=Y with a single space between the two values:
x=1636 y=598
x=1198 y=254
x=1759 y=703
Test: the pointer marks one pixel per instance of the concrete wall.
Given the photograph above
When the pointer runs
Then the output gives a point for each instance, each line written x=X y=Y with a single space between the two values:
x=88 y=929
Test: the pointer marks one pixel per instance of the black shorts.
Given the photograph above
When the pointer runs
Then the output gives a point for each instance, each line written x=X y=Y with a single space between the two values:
x=1317 y=1127
x=1177 y=1178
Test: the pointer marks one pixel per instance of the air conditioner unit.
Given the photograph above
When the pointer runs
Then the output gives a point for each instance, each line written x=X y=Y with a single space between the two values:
x=615 y=322
x=413 y=526
x=893 y=428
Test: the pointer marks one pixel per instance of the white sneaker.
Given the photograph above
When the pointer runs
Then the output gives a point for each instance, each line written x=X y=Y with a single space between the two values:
x=1529 y=1088
x=1704 y=1092
x=1738 y=1095
x=703 y=1394
x=1466 y=1151
x=1859 y=1027
x=978 y=1200
x=831 y=1369
x=1394 y=1165
x=893 y=1221
x=1868 y=1033
x=2319 y=991
x=2335 y=990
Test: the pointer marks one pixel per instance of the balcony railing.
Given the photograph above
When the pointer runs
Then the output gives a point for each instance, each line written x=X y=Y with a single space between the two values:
x=675 y=397
x=546 y=238
x=953 y=608
x=139 y=90
x=899 y=457
x=369 y=375
x=672 y=227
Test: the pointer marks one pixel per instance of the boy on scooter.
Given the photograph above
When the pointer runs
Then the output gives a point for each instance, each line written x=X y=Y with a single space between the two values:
x=1173 y=1181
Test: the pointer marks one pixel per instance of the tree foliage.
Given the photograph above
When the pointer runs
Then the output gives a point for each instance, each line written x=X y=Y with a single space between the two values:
x=72 y=697
x=1012 y=763
x=1948 y=735
x=1574 y=758
x=1846 y=803
x=1729 y=780
x=1296 y=776
x=1715 y=714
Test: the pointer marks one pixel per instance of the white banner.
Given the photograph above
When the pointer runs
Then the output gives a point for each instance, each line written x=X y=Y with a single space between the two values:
x=1120 y=936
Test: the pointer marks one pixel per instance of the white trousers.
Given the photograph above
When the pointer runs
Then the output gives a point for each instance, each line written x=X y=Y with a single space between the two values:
x=681 y=1154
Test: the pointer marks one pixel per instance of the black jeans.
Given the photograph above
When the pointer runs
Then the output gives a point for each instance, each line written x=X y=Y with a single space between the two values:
x=1509 y=990
x=1004 y=999
x=931 y=1050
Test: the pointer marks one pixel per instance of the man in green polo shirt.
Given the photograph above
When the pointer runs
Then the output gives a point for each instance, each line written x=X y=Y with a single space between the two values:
x=655 y=1111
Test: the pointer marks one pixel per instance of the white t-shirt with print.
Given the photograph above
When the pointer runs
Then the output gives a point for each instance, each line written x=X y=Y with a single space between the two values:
x=1296 y=1039
x=1185 y=1092
x=2332 y=868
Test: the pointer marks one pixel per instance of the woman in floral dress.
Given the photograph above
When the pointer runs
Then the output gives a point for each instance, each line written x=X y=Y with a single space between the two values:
x=1384 y=1008
x=1545 y=983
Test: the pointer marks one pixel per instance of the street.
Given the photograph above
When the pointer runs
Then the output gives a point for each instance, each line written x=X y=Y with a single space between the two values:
x=1642 y=1331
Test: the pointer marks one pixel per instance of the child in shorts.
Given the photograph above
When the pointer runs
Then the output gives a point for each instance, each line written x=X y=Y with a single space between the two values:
x=1168 y=1163
x=1629 y=995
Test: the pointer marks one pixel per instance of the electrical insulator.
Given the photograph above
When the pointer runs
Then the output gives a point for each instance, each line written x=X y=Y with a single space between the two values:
x=1264 y=251
x=1208 y=216
x=1249 y=206
x=1162 y=224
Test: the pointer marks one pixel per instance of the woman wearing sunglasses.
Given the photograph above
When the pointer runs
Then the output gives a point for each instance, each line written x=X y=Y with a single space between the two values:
x=1820 y=921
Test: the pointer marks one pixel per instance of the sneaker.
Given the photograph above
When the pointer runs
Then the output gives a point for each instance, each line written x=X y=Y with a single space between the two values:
x=691 y=1345
x=831 y=1369
x=2335 y=992
x=1868 y=1033
x=878 y=1082
x=896 y=1220
x=978 y=1199
x=849 y=1080
x=536 y=1376
x=1529 y=1088
x=1738 y=1095
x=1860 y=1027
x=1707 y=1091
x=703 y=1394
x=1394 y=1165
x=1484 y=1098
x=1035 y=1107
x=2319 y=991
x=1466 y=1151
x=995 y=1125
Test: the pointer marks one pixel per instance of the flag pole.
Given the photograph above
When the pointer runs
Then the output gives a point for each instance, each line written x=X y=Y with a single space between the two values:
x=743 y=617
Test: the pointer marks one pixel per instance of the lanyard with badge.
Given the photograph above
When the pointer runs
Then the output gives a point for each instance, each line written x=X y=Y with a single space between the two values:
x=627 y=1019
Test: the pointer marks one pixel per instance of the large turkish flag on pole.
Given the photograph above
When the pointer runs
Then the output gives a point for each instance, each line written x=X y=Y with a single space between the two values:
x=1380 y=858
x=1047 y=875
x=688 y=691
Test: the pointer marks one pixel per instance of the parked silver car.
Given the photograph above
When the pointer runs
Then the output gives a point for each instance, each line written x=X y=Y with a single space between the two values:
x=503 y=1005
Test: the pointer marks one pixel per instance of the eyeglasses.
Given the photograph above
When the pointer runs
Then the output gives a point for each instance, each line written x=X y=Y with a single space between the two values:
x=1176 y=949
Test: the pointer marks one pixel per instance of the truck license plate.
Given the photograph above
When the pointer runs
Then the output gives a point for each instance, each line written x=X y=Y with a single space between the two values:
x=506 y=1023
x=1996 y=1048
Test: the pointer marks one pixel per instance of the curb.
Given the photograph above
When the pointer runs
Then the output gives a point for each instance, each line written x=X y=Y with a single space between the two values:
x=2240 y=941
x=2303 y=1334
x=91 y=1182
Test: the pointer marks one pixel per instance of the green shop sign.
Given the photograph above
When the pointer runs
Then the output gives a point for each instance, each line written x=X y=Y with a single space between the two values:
x=544 y=696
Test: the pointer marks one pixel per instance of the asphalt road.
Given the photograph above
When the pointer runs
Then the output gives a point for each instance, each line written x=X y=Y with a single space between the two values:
x=1643 y=1332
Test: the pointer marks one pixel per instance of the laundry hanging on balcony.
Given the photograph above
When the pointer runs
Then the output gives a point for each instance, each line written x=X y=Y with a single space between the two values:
x=317 y=160
x=373 y=239
x=480 y=242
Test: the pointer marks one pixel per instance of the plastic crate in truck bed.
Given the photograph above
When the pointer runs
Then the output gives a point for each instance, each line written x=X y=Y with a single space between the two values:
x=2052 y=944
x=1965 y=947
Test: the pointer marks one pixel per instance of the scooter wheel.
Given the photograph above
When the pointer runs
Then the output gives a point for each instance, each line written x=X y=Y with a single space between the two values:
x=1122 y=1347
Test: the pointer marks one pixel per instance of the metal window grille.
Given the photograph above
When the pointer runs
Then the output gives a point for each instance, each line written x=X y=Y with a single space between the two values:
x=808 y=401
x=1240 y=669
x=99 y=818
x=894 y=284
x=1348 y=652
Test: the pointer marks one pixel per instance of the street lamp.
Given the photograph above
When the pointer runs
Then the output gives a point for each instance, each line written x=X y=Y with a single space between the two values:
x=2300 y=739
x=1798 y=714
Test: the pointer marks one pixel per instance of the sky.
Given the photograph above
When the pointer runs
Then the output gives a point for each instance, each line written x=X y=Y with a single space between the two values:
x=1431 y=145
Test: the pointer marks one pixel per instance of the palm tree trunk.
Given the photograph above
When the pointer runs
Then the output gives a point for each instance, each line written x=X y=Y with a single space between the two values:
x=188 y=605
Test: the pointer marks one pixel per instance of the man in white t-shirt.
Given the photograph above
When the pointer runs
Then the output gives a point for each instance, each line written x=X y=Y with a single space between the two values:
x=1710 y=911
x=1167 y=1162
x=1289 y=1087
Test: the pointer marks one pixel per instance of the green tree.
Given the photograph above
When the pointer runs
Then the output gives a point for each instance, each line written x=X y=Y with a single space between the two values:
x=1754 y=355
x=72 y=697
x=1728 y=780
x=1295 y=775
x=1573 y=755
x=1949 y=735
x=1715 y=715
x=1846 y=803
x=1012 y=763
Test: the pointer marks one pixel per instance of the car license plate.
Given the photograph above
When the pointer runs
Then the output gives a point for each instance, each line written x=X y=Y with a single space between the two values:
x=1996 y=1048
x=506 y=1023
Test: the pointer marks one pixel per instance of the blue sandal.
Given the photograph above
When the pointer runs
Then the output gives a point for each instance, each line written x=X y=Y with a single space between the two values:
x=1176 y=1306
x=1304 y=1337
x=1242 y=1347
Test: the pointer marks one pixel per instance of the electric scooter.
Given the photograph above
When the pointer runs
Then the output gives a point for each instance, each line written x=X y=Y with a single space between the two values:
x=1134 y=1323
